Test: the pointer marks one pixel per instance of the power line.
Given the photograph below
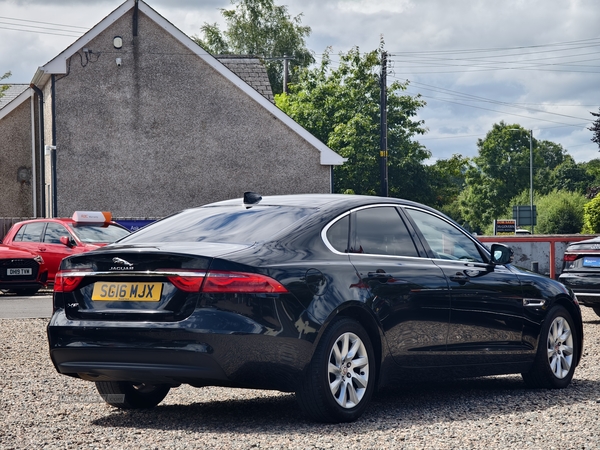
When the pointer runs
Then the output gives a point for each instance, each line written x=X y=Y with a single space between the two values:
x=487 y=100
x=40 y=28
x=478 y=50
x=44 y=23
x=40 y=32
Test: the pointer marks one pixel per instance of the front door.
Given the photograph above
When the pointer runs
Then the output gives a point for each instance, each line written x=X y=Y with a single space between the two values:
x=486 y=316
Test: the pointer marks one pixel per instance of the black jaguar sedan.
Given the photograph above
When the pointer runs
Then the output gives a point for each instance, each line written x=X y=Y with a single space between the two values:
x=327 y=296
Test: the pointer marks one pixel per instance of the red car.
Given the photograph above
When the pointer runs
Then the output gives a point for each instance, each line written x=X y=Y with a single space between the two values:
x=21 y=272
x=54 y=239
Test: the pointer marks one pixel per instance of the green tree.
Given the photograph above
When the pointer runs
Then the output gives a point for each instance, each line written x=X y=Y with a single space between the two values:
x=570 y=176
x=260 y=28
x=5 y=86
x=592 y=168
x=476 y=201
x=498 y=173
x=447 y=179
x=595 y=128
x=340 y=106
x=548 y=156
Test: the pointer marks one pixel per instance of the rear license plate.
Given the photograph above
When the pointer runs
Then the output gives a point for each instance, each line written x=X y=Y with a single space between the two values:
x=591 y=261
x=15 y=272
x=127 y=292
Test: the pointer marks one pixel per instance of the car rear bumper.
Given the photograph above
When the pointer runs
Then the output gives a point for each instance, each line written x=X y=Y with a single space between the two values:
x=586 y=286
x=175 y=353
x=134 y=364
x=21 y=285
x=588 y=298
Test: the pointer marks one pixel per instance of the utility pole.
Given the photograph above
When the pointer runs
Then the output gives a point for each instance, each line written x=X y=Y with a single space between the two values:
x=531 y=178
x=383 y=150
x=286 y=69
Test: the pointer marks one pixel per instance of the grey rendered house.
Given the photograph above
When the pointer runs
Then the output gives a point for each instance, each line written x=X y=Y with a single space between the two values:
x=140 y=121
x=18 y=150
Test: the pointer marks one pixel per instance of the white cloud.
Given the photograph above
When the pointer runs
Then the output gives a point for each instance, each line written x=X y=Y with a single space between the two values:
x=374 y=6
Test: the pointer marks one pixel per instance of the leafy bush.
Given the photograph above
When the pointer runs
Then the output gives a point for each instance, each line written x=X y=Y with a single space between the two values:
x=560 y=212
x=591 y=216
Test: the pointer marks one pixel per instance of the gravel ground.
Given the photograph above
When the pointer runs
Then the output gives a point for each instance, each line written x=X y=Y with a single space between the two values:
x=41 y=409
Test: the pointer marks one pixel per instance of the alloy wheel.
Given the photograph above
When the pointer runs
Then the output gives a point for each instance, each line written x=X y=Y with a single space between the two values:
x=348 y=370
x=560 y=347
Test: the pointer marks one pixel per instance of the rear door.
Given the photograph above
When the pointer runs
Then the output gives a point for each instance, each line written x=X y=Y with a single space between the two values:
x=408 y=292
x=29 y=237
x=52 y=250
x=486 y=317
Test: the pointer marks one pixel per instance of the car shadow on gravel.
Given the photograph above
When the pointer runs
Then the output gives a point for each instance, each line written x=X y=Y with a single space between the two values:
x=408 y=405
x=247 y=415
x=482 y=397
x=591 y=322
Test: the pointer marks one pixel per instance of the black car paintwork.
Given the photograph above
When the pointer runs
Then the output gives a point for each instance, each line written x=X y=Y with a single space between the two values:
x=583 y=280
x=415 y=321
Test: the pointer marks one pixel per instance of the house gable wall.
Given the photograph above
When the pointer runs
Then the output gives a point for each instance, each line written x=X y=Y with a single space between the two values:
x=15 y=155
x=165 y=131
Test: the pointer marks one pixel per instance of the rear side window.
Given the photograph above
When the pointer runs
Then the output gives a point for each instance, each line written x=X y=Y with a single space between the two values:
x=381 y=231
x=228 y=224
x=337 y=235
x=31 y=232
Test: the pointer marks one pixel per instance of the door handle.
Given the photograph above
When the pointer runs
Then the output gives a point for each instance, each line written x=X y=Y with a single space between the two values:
x=459 y=277
x=379 y=275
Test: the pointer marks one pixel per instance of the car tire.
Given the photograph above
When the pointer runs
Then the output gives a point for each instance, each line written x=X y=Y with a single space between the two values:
x=340 y=379
x=25 y=291
x=556 y=358
x=128 y=395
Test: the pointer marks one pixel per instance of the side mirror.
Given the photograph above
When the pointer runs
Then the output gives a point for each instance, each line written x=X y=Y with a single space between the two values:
x=66 y=241
x=501 y=254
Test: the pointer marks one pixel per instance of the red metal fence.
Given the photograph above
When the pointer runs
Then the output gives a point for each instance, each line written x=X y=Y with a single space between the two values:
x=550 y=239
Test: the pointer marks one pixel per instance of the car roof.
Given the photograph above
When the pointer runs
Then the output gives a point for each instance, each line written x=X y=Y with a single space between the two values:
x=65 y=221
x=320 y=201
x=49 y=219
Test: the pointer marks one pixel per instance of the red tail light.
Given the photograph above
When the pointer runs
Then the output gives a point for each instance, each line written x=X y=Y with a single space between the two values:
x=241 y=283
x=569 y=257
x=188 y=283
x=63 y=282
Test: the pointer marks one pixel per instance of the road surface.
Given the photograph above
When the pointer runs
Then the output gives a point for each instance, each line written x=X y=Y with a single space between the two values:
x=25 y=307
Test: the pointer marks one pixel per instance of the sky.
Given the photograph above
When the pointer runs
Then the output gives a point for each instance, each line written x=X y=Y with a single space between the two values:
x=535 y=63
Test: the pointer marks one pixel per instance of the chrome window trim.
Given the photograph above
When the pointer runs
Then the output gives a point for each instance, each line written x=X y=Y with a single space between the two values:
x=473 y=239
x=326 y=229
x=359 y=208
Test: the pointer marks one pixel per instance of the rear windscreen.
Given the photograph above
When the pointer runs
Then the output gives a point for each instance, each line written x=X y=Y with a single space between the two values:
x=229 y=224
x=100 y=234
